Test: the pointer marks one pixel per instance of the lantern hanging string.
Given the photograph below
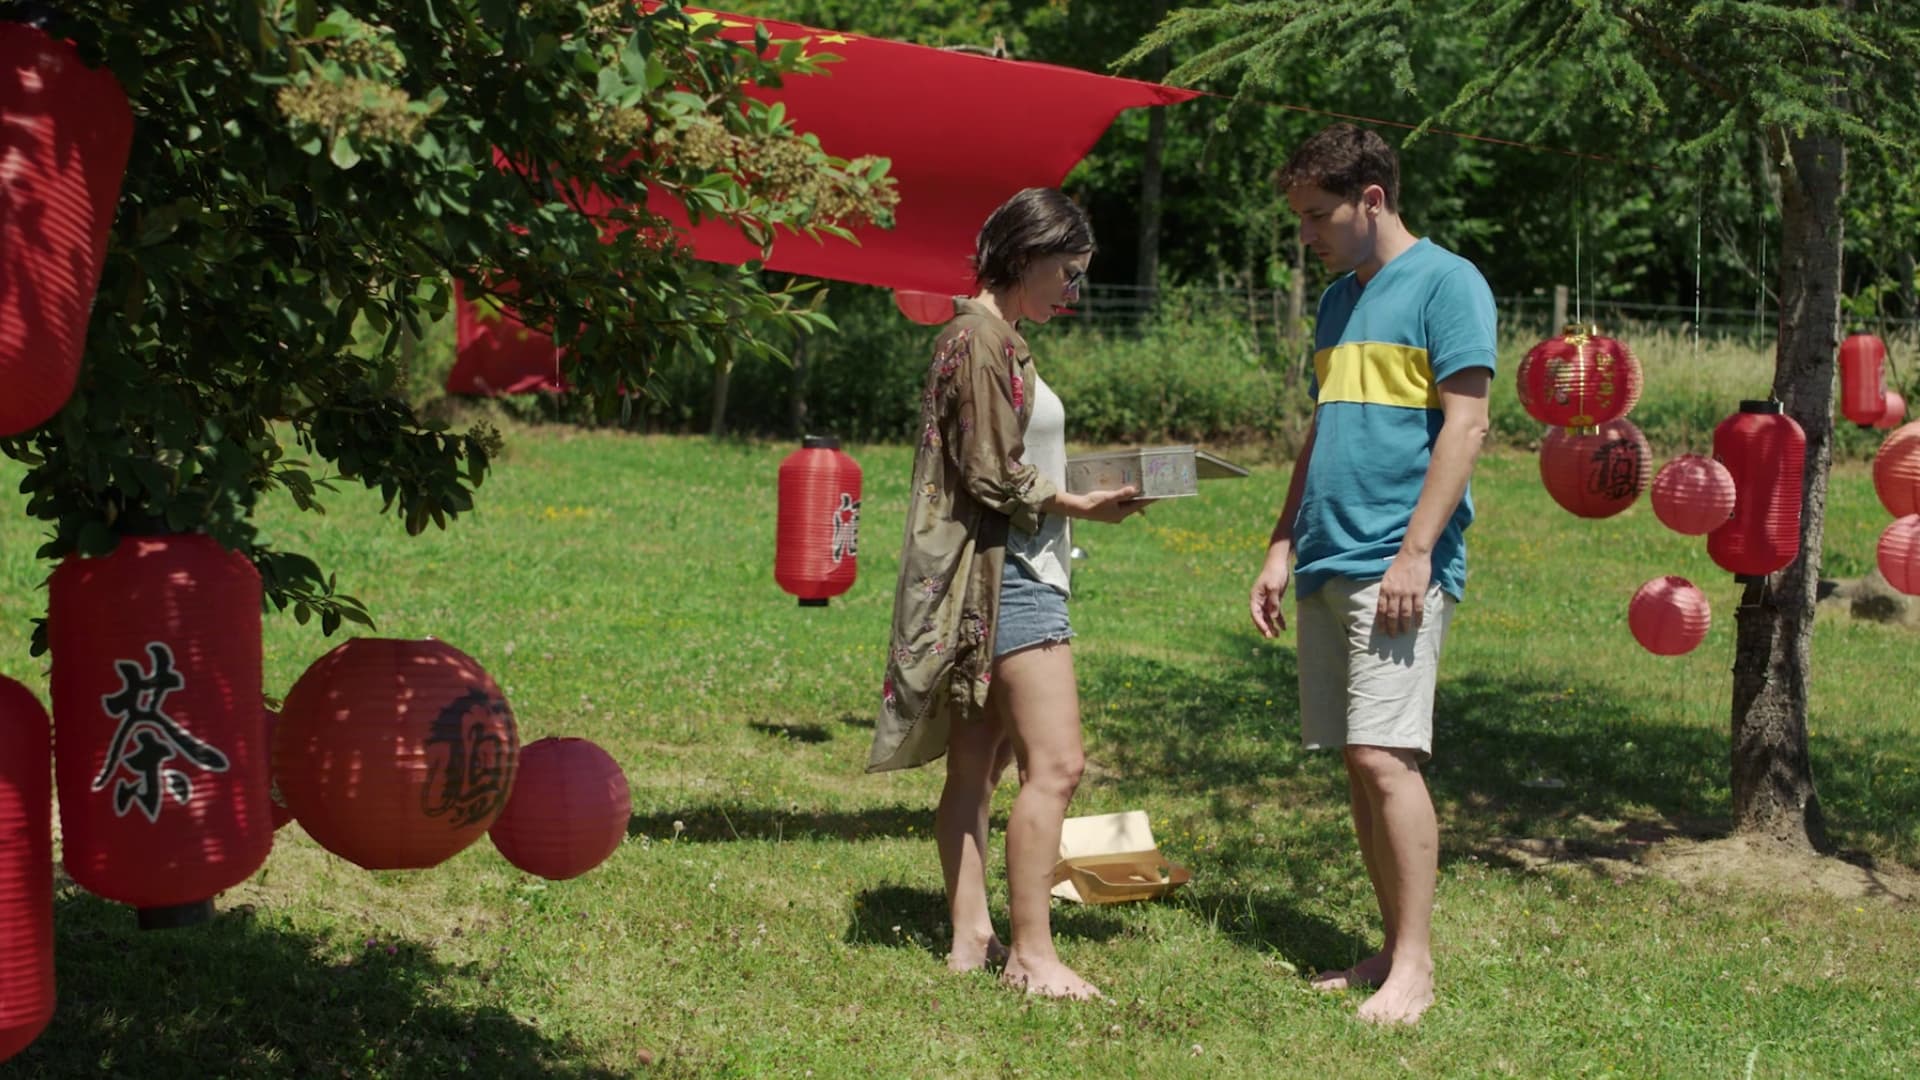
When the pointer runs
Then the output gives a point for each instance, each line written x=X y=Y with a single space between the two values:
x=1697 y=258
x=1579 y=230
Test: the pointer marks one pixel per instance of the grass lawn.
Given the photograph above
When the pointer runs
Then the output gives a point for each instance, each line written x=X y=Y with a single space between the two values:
x=776 y=912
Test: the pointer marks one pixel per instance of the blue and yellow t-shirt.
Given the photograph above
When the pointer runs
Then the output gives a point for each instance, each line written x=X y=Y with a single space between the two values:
x=1380 y=353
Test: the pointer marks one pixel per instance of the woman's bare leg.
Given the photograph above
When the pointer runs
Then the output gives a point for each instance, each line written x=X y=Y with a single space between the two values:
x=975 y=758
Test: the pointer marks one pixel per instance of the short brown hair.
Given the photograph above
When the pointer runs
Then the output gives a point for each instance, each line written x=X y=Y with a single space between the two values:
x=1344 y=160
x=1033 y=224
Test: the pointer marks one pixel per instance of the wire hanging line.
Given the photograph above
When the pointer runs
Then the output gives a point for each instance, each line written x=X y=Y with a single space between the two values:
x=1698 y=257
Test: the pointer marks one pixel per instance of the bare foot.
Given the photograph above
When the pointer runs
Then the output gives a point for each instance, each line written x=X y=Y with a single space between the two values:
x=1048 y=979
x=1367 y=974
x=974 y=955
x=1401 y=999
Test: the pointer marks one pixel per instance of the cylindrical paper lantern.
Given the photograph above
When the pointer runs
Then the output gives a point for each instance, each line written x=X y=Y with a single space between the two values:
x=26 y=868
x=67 y=133
x=925 y=308
x=818 y=533
x=1896 y=471
x=1669 y=616
x=1863 y=378
x=1899 y=554
x=1692 y=494
x=277 y=803
x=1765 y=451
x=1579 y=379
x=1596 y=474
x=1895 y=412
x=158 y=746
x=568 y=811
x=395 y=755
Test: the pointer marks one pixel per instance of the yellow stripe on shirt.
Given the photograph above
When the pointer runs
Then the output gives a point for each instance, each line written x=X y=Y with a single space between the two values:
x=1376 y=373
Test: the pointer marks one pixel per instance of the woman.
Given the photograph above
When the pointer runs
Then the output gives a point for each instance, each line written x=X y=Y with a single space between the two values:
x=979 y=667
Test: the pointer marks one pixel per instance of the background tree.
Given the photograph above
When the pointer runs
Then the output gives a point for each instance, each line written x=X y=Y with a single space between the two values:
x=302 y=191
x=1809 y=82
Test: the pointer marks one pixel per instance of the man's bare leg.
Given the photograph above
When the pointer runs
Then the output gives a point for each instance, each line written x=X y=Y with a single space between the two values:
x=1407 y=851
x=1372 y=971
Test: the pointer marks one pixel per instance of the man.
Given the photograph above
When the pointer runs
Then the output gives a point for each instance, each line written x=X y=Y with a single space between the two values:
x=1374 y=524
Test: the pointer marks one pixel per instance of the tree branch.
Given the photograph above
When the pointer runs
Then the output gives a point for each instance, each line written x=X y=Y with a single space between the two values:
x=1679 y=59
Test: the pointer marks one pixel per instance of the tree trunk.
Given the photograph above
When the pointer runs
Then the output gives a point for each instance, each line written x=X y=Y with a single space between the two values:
x=1146 y=271
x=797 y=396
x=1773 y=793
x=722 y=375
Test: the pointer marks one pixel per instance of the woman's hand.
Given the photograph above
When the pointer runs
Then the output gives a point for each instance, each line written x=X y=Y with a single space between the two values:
x=1111 y=506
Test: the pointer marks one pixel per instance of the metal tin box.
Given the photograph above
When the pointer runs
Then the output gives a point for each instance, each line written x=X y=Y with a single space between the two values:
x=1160 y=472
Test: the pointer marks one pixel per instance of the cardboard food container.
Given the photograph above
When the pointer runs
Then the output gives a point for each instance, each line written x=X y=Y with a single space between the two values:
x=1162 y=472
x=1111 y=858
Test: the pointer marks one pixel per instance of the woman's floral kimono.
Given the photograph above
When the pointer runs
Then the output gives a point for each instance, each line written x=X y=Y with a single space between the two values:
x=970 y=483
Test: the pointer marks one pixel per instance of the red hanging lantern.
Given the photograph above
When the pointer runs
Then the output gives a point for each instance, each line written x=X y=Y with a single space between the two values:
x=1692 y=494
x=1765 y=451
x=1898 y=554
x=68 y=133
x=158 y=745
x=1894 y=413
x=276 y=802
x=1669 y=616
x=819 y=524
x=1896 y=471
x=925 y=308
x=1579 y=379
x=1863 y=378
x=1596 y=474
x=568 y=811
x=395 y=755
x=26 y=868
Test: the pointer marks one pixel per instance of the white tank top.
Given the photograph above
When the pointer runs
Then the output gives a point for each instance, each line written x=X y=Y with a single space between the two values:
x=1048 y=552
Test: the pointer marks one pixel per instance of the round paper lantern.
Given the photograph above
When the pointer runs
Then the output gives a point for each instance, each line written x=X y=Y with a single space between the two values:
x=1863 y=378
x=925 y=308
x=1596 y=474
x=277 y=803
x=159 y=750
x=1765 y=452
x=818 y=534
x=1894 y=413
x=395 y=755
x=26 y=868
x=1896 y=471
x=1669 y=616
x=68 y=131
x=1579 y=379
x=1692 y=494
x=568 y=811
x=1899 y=554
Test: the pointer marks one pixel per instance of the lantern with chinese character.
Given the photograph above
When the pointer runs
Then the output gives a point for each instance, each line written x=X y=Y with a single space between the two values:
x=1579 y=379
x=1765 y=452
x=818 y=531
x=1895 y=412
x=1596 y=474
x=1863 y=379
x=158 y=746
x=1692 y=494
x=568 y=810
x=67 y=133
x=26 y=868
x=1669 y=616
x=1896 y=471
x=925 y=308
x=395 y=755
x=1898 y=554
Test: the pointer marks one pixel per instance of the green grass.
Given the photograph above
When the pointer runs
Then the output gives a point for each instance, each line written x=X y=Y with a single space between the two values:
x=776 y=912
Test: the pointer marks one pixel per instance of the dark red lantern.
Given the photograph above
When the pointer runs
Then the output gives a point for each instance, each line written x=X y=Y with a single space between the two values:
x=925 y=308
x=1692 y=494
x=1596 y=474
x=1894 y=413
x=277 y=802
x=1896 y=471
x=158 y=745
x=1669 y=616
x=1898 y=554
x=395 y=755
x=568 y=812
x=1863 y=379
x=1765 y=451
x=26 y=868
x=819 y=524
x=68 y=131
x=1579 y=379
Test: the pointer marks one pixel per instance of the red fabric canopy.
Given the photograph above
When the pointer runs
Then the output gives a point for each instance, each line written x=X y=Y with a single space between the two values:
x=963 y=131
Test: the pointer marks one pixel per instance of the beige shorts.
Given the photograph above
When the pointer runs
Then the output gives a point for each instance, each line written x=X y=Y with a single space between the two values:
x=1358 y=686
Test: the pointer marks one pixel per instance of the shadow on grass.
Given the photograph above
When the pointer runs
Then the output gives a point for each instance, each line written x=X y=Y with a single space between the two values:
x=902 y=916
x=231 y=998
x=724 y=823
x=806 y=733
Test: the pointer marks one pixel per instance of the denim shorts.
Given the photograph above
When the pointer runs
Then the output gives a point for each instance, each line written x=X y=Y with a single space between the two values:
x=1031 y=612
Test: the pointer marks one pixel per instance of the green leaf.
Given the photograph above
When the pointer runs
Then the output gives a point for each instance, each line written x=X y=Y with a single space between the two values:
x=343 y=154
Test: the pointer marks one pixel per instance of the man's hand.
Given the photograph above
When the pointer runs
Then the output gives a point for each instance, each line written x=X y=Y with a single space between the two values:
x=1403 y=594
x=1268 y=588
